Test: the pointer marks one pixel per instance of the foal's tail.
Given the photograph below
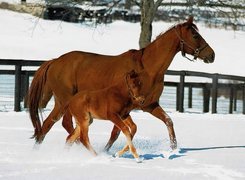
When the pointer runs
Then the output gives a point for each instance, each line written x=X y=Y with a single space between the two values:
x=35 y=95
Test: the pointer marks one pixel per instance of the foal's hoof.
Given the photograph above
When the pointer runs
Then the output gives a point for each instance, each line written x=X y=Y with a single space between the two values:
x=116 y=155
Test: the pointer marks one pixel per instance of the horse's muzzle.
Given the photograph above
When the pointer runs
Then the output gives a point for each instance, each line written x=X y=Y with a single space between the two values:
x=210 y=58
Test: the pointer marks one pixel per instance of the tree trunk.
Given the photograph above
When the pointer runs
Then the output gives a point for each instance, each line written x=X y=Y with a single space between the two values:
x=147 y=15
x=148 y=10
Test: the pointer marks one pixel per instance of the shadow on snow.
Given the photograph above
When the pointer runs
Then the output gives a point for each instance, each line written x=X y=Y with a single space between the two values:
x=181 y=152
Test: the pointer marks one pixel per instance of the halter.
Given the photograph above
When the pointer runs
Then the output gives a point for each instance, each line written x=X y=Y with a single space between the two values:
x=183 y=42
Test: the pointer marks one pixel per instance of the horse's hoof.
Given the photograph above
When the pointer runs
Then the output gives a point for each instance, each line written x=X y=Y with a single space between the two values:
x=174 y=145
x=139 y=160
x=36 y=146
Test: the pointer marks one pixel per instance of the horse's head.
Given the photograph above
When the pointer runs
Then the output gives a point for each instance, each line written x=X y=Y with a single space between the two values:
x=134 y=86
x=191 y=42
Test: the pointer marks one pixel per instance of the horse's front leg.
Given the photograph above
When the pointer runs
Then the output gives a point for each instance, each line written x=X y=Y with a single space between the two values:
x=116 y=132
x=163 y=116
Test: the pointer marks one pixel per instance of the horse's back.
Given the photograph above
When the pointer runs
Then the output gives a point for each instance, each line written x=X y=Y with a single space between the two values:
x=78 y=71
x=82 y=61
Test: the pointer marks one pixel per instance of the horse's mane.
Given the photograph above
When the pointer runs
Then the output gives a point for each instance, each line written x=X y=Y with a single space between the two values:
x=192 y=25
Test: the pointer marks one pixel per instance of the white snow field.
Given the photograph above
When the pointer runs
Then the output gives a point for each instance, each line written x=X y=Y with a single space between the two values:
x=210 y=146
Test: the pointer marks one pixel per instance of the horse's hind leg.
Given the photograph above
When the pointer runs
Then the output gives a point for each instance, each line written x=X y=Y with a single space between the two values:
x=53 y=117
x=47 y=94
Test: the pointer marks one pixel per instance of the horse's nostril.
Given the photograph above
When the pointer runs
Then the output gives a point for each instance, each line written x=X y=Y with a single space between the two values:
x=210 y=58
x=213 y=56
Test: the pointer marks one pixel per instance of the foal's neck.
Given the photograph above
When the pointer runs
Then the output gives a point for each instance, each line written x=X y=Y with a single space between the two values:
x=122 y=88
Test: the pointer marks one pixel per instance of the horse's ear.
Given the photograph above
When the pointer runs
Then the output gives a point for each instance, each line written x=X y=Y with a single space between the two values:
x=190 y=21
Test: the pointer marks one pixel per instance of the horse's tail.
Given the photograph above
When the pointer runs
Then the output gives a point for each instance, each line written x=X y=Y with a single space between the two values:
x=35 y=95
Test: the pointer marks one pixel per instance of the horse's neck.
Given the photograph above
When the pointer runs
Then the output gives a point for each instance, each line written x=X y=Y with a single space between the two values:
x=159 y=54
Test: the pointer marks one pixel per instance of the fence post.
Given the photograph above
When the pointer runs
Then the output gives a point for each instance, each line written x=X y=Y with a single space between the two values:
x=243 y=97
x=235 y=98
x=181 y=92
x=214 y=93
x=17 y=94
x=231 y=100
x=177 y=97
x=206 y=98
x=190 y=97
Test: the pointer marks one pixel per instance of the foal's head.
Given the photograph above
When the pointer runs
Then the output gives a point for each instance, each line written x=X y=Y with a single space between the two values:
x=191 y=42
x=134 y=86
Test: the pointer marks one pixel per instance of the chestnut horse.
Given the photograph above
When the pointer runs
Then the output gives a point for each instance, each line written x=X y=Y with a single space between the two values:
x=78 y=71
x=111 y=103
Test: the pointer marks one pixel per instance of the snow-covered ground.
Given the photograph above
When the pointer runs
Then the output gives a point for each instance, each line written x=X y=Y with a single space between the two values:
x=211 y=146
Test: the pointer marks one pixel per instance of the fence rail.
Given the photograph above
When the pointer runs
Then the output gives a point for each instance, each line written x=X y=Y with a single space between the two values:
x=209 y=89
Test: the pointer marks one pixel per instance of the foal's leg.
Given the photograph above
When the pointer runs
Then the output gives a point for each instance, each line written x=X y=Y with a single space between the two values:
x=163 y=116
x=133 y=128
x=73 y=136
x=67 y=122
x=120 y=124
x=116 y=131
x=114 y=135
x=84 y=125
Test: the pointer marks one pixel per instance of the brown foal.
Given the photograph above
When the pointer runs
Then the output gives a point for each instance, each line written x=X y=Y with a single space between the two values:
x=112 y=103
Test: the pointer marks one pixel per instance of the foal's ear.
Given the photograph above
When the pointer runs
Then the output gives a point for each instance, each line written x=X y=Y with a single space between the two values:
x=132 y=74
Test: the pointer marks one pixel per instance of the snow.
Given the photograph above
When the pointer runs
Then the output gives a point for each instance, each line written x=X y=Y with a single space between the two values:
x=210 y=146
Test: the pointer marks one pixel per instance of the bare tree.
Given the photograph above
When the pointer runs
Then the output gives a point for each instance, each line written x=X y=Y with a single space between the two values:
x=148 y=10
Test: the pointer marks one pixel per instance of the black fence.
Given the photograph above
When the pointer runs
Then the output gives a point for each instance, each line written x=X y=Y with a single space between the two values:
x=213 y=87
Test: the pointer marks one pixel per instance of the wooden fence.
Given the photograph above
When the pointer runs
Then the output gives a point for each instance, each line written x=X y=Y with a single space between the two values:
x=210 y=89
